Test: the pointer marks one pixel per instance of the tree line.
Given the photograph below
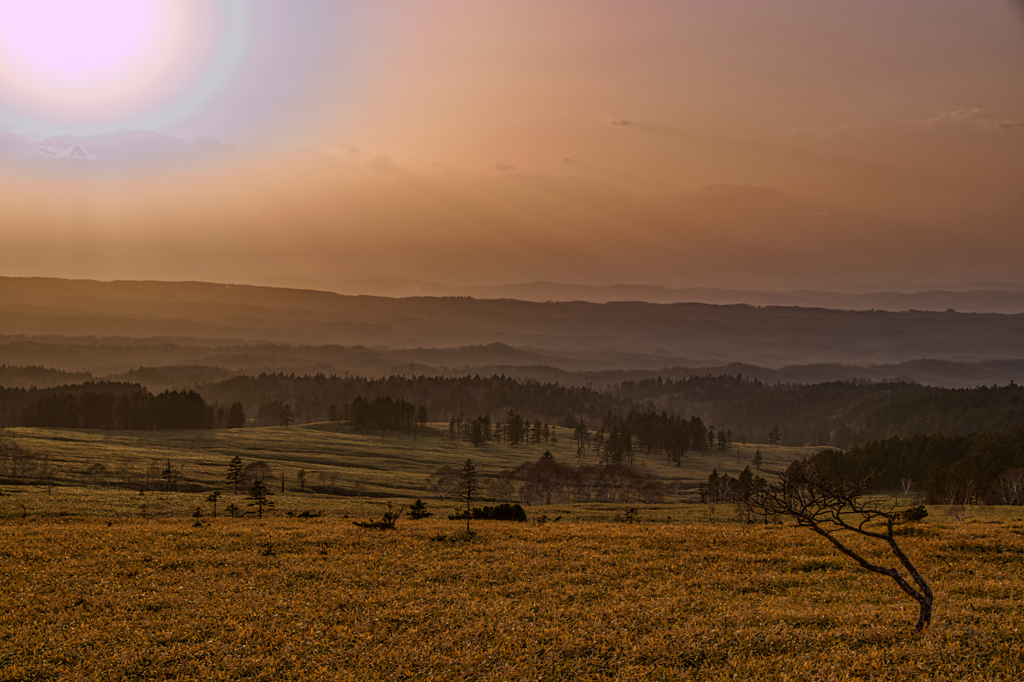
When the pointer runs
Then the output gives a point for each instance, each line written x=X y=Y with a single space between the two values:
x=115 y=406
x=944 y=469
x=837 y=413
x=549 y=481
x=311 y=397
x=664 y=416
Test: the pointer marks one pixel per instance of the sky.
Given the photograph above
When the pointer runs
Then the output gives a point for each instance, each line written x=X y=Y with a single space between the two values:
x=792 y=144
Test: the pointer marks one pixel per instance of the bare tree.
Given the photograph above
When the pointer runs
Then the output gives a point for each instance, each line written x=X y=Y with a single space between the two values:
x=959 y=495
x=502 y=488
x=906 y=484
x=444 y=481
x=255 y=471
x=1011 y=486
x=832 y=504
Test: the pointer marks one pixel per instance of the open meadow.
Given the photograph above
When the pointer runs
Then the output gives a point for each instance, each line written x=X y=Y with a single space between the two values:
x=106 y=581
x=335 y=459
x=305 y=599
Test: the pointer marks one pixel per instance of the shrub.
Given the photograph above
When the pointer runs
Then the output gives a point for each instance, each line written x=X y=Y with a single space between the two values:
x=502 y=512
x=914 y=513
x=387 y=522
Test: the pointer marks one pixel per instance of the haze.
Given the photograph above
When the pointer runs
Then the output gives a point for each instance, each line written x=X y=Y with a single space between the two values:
x=682 y=143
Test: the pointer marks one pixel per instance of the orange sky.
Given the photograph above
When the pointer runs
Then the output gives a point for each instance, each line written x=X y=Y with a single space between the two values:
x=790 y=144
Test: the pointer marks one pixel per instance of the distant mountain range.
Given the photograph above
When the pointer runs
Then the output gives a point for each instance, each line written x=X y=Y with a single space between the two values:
x=1007 y=300
x=128 y=324
x=161 y=366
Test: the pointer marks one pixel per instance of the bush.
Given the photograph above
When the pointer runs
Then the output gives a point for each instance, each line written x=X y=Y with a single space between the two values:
x=502 y=512
x=387 y=522
x=914 y=513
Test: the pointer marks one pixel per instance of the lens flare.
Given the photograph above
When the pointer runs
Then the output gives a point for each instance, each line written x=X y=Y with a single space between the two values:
x=68 y=44
x=87 y=65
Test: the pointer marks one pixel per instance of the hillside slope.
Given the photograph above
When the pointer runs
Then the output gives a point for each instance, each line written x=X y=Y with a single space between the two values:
x=771 y=336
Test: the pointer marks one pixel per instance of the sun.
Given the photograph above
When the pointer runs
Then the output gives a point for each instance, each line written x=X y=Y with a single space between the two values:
x=76 y=44
x=81 y=65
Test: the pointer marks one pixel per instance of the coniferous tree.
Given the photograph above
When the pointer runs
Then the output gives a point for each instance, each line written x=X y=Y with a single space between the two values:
x=168 y=475
x=287 y=416
x=235 y=472
x=212 y=498
x=236 y=416
x=260 y=496
x=419 y=510
x=469 y=488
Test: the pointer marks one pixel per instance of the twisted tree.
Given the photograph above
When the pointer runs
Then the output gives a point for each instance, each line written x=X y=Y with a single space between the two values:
x=835 y=506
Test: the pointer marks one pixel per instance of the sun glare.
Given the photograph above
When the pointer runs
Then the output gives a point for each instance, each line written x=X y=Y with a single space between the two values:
x=76 y=64
x=74 y=44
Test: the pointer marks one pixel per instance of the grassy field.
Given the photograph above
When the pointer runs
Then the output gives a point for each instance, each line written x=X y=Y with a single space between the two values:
x=103 y=581
x=361 y=465
x=307 y=599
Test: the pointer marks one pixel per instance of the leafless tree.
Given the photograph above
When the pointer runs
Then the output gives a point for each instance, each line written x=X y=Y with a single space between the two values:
x=255 y=471
x=959 y=495
x=502 y=488
x=836 y=507
x=1011 y=486
x=907 y=484
x=328 y=480
x=444 y=482
x=19 y=462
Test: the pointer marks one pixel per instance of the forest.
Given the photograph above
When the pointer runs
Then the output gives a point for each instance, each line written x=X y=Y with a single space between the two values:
x=946 y=469
x=834 y=414
x=946 y=444
x=114 y=406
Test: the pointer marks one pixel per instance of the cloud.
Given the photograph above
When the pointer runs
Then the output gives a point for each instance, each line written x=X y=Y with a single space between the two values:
x=12 y=143
x=622 y=122
x=955 y=117
x=118 y=149
x=503 y=167
x=975 y=118
x=75 y=152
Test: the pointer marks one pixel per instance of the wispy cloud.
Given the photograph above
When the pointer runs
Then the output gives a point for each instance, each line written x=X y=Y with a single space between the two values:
x=973 y=118
x=75 y=152
x=118 y=149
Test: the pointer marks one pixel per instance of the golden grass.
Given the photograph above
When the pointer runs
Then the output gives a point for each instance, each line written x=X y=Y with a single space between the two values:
x=396 y=465
x=115 y=598
x=106 y=583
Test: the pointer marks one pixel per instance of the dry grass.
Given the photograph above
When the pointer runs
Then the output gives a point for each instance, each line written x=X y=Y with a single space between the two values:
x=363 y=464
x=115 y=598
x=106 y=583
